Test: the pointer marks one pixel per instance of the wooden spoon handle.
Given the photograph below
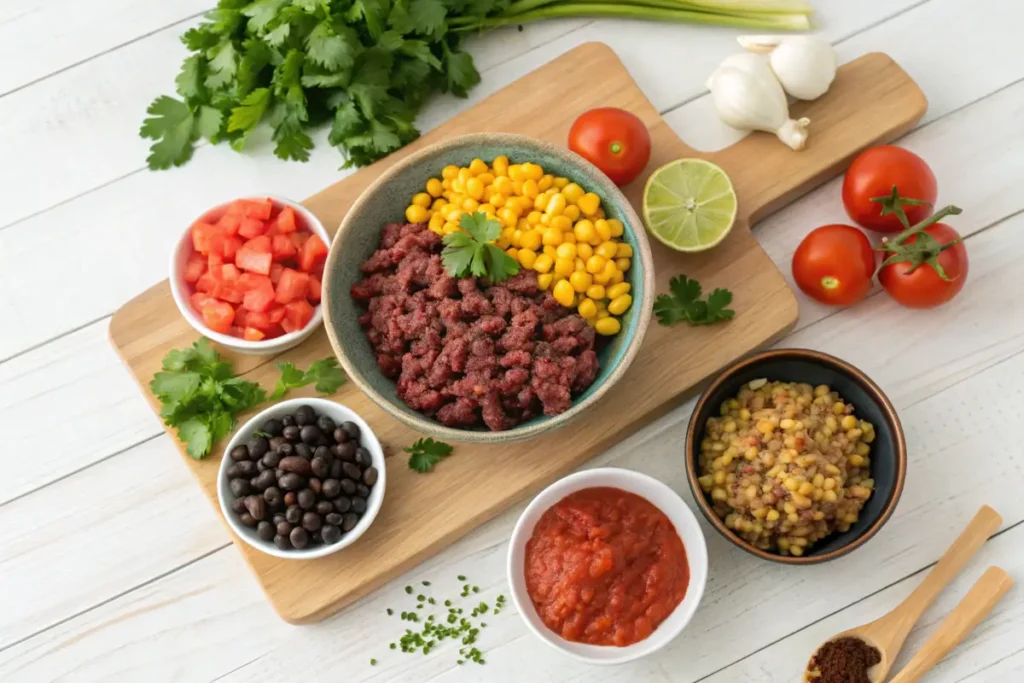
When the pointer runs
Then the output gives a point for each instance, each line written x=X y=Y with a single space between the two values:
x=975 y=606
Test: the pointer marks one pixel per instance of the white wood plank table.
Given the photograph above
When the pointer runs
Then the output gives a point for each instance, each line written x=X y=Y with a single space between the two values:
x=114 y=568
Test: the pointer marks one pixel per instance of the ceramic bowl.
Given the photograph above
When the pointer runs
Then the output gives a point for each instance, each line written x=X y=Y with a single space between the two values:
x=888 y=450
x=385 y=202
x=336 y=412
x=662 y=497
x=181 y=290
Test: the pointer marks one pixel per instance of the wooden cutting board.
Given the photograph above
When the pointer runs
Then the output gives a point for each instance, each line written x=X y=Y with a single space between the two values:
x=872 y=100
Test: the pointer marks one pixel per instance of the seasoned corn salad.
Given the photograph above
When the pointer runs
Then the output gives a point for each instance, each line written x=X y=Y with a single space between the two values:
x=550 y=225
x=787 y=464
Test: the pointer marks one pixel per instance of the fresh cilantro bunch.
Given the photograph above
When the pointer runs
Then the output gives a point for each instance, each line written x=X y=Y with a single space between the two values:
x=363 y=66
x=425 y=453
x=324 y=372
x=201 y=396
x=470 y=252
x=685 y=304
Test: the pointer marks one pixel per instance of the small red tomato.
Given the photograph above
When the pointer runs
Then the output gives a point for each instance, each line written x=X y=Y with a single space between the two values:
x=834 y=264
x=614 y=140
x=924 y=287
x=874 y=173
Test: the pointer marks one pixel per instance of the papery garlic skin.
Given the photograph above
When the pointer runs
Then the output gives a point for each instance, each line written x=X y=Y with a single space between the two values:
x=804 y=65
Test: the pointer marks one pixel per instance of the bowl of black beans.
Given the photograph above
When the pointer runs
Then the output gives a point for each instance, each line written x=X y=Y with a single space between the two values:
x=302 y=479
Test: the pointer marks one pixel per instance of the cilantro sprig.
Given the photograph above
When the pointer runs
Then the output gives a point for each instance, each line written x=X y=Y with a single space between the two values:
x=470 y=252
x=324 y=372
x=425 y=453
x=684 y=304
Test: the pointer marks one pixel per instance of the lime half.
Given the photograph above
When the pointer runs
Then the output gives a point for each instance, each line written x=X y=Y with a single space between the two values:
x=689 y=204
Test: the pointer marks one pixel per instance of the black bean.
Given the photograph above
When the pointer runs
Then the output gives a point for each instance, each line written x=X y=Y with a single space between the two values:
x=336 y=470
x=293 y=514
x=310 y=435
x=330 y=533
x=246 y=467
x=291 y=498
x=238 y=505
x=276 y=442
x=235 y=471
x=291 y=433
x=240 y=487
x=278 y=518
x=240 y=452
x=320 y=466
x=273 y=496
x=349 y=521
x=324 y=507
x=257 y=507
x=362 y=490
x=304 y=415
x=307 y=499
x=247 y=519
x=283 y=528
x=358 y=504
x=258 y=447
x=315 y=538
x=331 y=488
x=333 y=518
x=311 y=521
x=340 y=435
x=370 y=476
x=303 y=451
x=265 y=530
x=287 y=421
x=282 y=542
x=296 y=464
x=348 y=487
x=343 y=504
x=352 y=471
x=299 y=537
x=271 y=459
x=252 y=482
x=273 y=427
x=291 y=481
x=363 y=458
x=315 y=485
x=326 y=424
x=346 y=451
x=265 y=480
x=352 y=429
x=286 y=449
x=261 y=466
x=278 y=473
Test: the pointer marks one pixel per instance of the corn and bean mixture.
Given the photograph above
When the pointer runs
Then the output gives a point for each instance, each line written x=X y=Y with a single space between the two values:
x=787 y=464
x=550 y=225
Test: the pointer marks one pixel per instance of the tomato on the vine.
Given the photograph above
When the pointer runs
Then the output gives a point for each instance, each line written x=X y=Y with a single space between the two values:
x=614 y=140
x=890 y=178
x=834 y=265
x=918 y=283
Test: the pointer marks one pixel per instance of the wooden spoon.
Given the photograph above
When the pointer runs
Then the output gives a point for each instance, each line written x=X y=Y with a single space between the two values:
x=979 y=601
x=888 y=632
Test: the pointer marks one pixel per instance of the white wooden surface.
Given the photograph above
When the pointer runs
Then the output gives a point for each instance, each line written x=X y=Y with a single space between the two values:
x=114 y=568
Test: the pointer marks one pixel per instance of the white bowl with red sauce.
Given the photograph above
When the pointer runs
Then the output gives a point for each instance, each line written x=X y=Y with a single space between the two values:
x=680 y=517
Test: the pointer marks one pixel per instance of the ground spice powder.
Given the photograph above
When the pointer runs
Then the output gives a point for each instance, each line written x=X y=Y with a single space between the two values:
x=845 y=660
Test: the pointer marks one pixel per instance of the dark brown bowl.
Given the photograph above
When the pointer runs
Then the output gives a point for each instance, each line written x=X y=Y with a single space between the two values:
x=888 y=451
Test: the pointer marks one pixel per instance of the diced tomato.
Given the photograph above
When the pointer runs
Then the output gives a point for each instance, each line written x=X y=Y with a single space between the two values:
x=313 y=251
x=202 y=233
x=313 y=291
x=251 y=227
x=236 y=331
x=194 y=267
x=286 y=220
x=218 y=315
x=249 y=281
x=229 y=272
x=257 y=319
x=292 y=286
x=276 y=314
x=206 y=283
x=275 y=272
x=299 y=238
x=229 y=223
x=242 y=317
x=261 y=244
x=252 y=334
x=259 y=297
x=283 y=248
x=253 y=260
x=225 y=245
x=198 y=300
x=296 y=315
x=257 y=208
x=318 y=271
x=214 y=262
x=230 y=292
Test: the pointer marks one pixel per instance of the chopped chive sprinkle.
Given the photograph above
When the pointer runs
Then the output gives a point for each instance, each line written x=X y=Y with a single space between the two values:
x=425 y=583
x=460 y=577
x=373 y=662
x=421 y=597
x=447 y=603
x=408 y=589
x=432 y=601
x=390 y=611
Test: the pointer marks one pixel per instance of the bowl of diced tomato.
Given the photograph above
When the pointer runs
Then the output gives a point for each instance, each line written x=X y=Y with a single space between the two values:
x=247 y=274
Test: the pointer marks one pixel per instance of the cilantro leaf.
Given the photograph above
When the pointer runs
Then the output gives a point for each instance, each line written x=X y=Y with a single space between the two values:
x=291 y=378
x=223 y=65
x=171 y=125
x=462 y=74
x=459 y=251
x=261 y=13
x=428 y=16
x=421 y=51
x=480 y=227
x=347 y=121
x=324 y=373
x=208 y=121
x=373 y=12
x=470 y=252
x=190 y=79
x=500 y=266
x=330 y=49
x=249 y=113
x=685 y=305
x=197 y=436
x=425 y=453
x=277 y=36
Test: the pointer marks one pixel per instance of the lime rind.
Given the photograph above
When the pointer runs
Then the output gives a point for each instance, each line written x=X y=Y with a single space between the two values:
x=689 y=205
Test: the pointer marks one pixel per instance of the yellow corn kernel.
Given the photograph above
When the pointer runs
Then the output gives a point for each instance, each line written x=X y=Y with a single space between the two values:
x=533 y=218
x=580 y=263
x=849 y=422
x=596 y=264
x=589 y=204
x=517 y=191
x=434 y=187
x=856 y=460
x=507 y=216
x=838 y=408
x=584 y=231
x=500 y=165
x=623 y=264
x=604 y=231
x=513 y=252
x=526 y=257
x=416 y=214
x=531 y=239
x=556 y=205
x=540 y=202
x=567 y=236
x=469 y=204
x=772 y=516
x=465 y=174
x=545 y=182
x=564 y=267
x=543 y=263
x=584 y=250
x=595 y=292
x=544 y=281
x=806 y=488
x=517 y=238
x=616 y=278
x=607 y=249
x=567 y=251
x=572 y=193
x=446 y=185
x=616 y=226
x=440 y=205
x=449 y=226
x=603 y=313
x=503 y=184
x=422 y=199
x=458 y=185
x=530 y=189
x=623 y=250
x=564 y=224
x=608 y=327
x=450 y=171
x=477 y=166
x=533 y=172
x=618 y=290
x=552 y=237
x=620 y=305
x=581 y=282
x=475 y=188
x=609 y=269
x=564 y=294
x=550 y=251
x=436 y=223
x=587 y=308
x=572 y=213
x=496 y=199
x=830 y=496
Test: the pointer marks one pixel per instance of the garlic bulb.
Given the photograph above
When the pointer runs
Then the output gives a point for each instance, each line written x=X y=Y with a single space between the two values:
x=804 y=65
x=748 y=97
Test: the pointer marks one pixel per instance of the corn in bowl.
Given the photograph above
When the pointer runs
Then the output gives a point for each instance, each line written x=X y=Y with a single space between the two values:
x=786 y=464
x=550 y=225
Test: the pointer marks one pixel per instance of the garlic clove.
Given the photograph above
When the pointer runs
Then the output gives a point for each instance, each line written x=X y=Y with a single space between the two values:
x=794 y=132
x=804 y=65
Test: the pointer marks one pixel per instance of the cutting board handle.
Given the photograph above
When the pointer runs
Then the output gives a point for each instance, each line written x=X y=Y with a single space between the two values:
x=847 y=119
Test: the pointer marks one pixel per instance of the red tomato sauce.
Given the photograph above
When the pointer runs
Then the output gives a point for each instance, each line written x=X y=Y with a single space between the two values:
x=605 y=567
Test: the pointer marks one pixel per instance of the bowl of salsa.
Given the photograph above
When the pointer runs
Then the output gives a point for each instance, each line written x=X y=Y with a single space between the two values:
x=607 y=565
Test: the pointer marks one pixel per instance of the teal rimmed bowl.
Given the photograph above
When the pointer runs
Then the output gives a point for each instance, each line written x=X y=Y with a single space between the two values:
x=385 y=201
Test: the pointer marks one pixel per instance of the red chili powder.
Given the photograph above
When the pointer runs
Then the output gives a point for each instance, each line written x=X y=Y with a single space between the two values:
x=845 y=660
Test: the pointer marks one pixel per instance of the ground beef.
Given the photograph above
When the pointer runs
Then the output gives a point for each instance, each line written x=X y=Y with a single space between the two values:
x=466 y=351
